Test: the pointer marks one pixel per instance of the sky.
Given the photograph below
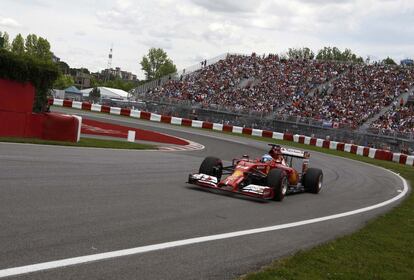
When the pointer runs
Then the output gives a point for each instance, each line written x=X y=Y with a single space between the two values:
x=81 y=32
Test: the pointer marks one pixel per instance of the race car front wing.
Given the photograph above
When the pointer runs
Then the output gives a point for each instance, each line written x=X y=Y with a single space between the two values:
x=207 y=181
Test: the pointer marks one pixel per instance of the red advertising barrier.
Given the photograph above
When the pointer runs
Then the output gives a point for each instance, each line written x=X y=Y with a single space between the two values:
x=86 y=106
x=12 y=124
x=247 y=130
x=60 y=127
x=227 y=128
x=267 y=134
x=145 y=115
x=125 y=112
x=288 y=137
x=34 y=125
x=17 y=119
x=105 y=109
x=166 y=119
x=186 y=122
x=207 y=125
x=16 y=97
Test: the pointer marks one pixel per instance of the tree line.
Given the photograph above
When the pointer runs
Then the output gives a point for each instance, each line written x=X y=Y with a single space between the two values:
x=34 y=46
x=331 y=53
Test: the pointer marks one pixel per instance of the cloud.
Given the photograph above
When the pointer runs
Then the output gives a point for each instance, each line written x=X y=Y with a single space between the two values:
x=228 y=6
x=9 y=22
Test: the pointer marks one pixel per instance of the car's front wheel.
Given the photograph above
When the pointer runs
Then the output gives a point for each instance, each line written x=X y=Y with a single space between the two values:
x=277 y=180
x=212 y=166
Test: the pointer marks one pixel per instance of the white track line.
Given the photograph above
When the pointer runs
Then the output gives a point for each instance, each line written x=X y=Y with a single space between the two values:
x=144 y=249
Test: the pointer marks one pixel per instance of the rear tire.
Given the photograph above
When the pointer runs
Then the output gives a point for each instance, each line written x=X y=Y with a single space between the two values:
x=212 y=166
x=277 y=180
x=313 y=180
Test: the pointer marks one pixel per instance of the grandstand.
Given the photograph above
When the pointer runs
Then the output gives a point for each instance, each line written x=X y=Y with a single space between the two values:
x=333 y=94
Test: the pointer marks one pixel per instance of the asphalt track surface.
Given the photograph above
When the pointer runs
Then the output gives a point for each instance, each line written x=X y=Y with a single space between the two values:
x=64 y=202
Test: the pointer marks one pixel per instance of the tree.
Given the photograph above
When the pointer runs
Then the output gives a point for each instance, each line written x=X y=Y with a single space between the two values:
x=328 y=53
x=30 y=45
x=389 y=61
x=157 y=64
x=4 y=41
x=63 y=81
x=95 y=95
x=119 y=84
x=300 y=53
x=42 y=50
x=63 y=67
x=17 y=46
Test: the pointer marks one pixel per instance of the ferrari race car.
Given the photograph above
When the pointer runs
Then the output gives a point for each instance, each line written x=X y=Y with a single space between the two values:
x=270 y=177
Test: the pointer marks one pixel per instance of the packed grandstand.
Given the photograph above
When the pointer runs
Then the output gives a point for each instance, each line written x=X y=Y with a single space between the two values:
x=342 y=94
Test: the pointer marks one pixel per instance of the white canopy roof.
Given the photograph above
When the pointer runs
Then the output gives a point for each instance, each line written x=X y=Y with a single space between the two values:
x=107 y=92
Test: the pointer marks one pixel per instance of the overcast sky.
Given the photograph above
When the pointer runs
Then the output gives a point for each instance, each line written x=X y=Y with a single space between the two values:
x=81 y=32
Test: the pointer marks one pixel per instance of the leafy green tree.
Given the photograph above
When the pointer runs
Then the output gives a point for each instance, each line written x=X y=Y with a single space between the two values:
x=328 y=53
x=63 y=67
x=43 y=50
x=119 y=84
x=389 y=61
x=157 y=64
x=63 y=81
x=30 y=44
x=95 y=95
x=17 y=46
x=300 y=53
x=5 y=44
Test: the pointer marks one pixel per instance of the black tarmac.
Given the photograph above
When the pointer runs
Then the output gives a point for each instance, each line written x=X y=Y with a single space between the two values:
x=63 y=202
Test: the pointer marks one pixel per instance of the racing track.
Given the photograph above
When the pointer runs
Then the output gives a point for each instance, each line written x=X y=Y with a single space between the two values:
x=62 y=202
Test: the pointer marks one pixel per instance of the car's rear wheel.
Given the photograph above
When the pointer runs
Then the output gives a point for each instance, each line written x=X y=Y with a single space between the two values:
x=313 y=180
x=277 y=180
x=212 y=166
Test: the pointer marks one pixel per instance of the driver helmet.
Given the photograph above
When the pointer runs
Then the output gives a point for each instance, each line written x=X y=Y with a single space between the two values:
x=266 y=158
x=276 y=151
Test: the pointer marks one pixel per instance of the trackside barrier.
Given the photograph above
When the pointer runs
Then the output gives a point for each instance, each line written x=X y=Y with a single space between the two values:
x=332 y=145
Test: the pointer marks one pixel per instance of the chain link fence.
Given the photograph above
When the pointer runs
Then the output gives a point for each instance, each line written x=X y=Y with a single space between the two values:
x=394 y=141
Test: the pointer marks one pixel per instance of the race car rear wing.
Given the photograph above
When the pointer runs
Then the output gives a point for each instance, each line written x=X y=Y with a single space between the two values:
x=292 y=152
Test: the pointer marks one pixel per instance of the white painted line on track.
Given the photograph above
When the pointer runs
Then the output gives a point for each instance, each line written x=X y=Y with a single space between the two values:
x=144 y=249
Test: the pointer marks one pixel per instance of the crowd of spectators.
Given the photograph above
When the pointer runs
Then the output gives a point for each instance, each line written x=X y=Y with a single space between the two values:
x=399 y=119
x=342 y=93
x=271 y=82
x=355 y=96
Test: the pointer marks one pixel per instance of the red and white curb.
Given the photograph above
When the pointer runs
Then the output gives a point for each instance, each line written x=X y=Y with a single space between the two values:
x=193 y=146
x=332 y=145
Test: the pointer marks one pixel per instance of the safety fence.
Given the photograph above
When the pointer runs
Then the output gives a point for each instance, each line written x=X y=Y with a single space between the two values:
x=370 y=152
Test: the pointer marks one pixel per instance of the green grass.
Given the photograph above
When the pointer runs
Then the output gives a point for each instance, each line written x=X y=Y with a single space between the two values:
x=384 y=249
x=84 y=142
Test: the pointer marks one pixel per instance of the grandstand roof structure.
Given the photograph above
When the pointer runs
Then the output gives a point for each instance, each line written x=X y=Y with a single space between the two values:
x=107 y=92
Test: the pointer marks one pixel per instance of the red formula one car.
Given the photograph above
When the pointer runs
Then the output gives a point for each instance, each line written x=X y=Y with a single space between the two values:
x=270 y=177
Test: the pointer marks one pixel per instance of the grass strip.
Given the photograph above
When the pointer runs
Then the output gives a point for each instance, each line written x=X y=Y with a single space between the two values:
x=84 y=142
x=381 y=250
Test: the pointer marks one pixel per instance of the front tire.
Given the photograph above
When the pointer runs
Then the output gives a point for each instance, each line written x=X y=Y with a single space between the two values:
x=277 y=180
x=212 y=166
x=313 y=180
